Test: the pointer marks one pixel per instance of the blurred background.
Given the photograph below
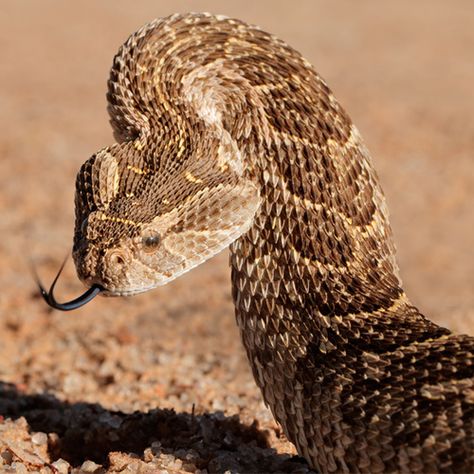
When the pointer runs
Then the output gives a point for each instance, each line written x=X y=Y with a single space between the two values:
x=403 y=70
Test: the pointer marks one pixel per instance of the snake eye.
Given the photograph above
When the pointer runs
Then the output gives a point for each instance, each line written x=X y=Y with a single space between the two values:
x=151 y=242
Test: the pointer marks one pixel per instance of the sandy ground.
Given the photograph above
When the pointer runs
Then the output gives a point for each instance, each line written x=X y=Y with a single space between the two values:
x=160 y=381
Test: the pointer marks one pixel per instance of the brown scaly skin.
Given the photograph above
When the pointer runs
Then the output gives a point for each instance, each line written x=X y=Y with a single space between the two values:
x=228 y=136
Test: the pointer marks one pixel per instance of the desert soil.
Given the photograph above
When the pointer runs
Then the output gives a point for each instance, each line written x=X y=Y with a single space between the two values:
x=159 y=382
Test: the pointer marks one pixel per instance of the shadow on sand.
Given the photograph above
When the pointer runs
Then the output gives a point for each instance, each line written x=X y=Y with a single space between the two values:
x=89 y=431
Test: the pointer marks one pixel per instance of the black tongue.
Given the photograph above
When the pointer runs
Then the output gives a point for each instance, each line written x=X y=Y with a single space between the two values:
x=48 y=296
x=87 y=296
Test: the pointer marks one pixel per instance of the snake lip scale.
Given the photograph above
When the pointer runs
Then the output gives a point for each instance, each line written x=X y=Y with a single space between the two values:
x=227 y=137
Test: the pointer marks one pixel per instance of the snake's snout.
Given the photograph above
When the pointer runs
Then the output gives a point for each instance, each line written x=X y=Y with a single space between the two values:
x=105 y=268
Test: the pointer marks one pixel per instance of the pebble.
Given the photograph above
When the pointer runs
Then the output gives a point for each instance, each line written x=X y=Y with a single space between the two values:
x=19 y=468
x=72 y=383
x=118 y=461
x=217 y=405
x=61 y=466
x=90 y=466
x=111 y=420
x=7 y=456
x=39 y=438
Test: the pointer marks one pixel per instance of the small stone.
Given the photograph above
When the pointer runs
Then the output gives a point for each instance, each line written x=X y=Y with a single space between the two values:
x=61 y=466
x=53 y=439
x=118 y=461
x=26 y=456
x=191 y=456
x=73 y=383
x=217 y=405
x=19 y=468
x=39 y=438
x=90 y=466
x=7 y=456
x=148 y=455
x=108 y=419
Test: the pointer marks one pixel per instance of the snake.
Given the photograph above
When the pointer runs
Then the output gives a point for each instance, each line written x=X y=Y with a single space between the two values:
x=227 y=137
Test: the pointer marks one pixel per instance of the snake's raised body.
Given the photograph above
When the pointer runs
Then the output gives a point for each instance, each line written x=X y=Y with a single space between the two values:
x=227 y=136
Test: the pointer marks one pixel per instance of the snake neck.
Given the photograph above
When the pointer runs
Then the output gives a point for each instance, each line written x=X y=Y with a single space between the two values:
x=315 y=285
x=317 y=270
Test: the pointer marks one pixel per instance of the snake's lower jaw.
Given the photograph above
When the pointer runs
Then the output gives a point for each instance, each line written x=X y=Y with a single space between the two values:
x=125 y=292
x=117 y=281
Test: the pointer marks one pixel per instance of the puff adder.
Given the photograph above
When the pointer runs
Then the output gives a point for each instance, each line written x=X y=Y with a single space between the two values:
x=228 y=136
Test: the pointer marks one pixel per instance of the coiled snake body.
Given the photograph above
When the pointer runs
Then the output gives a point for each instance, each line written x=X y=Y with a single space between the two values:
x=227 y=136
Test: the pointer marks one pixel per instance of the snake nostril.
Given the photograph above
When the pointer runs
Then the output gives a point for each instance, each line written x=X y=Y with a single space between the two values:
x=116 y=258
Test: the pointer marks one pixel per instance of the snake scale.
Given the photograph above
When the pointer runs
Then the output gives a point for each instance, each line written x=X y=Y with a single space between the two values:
x=227 y=136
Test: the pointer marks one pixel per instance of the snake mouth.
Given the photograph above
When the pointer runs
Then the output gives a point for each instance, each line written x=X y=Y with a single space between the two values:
x=131 y=292
x=76 y=303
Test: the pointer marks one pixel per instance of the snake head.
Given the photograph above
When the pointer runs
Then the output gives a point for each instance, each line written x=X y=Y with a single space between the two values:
x=141 y=223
